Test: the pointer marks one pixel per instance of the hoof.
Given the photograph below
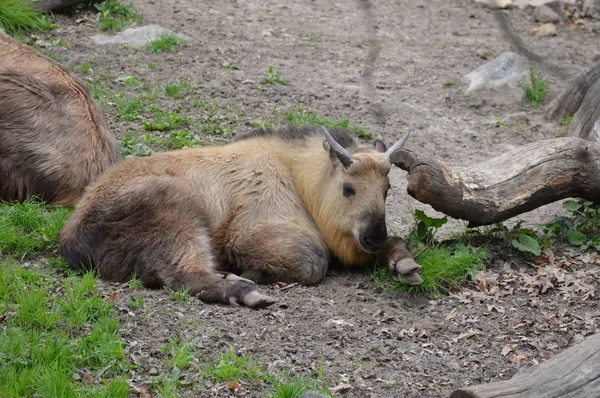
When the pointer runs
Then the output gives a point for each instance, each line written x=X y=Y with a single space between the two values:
x=255 y=299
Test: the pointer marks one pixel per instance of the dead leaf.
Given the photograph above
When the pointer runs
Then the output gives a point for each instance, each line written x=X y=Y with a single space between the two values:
x=508 y=349
x=517 y=359
x=541 y=259
x=114 y=296
x=144 y=393
x=341 y=388
x=452 y=314
x=234 y=385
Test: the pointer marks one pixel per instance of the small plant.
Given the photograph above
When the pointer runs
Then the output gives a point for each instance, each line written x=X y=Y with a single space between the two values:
x=299 y=116
x=129 y=108
x=175 y=91
x=500 y=122
x=580 y=225
x=167 y=42
x=260 y=123
x=131 y=147
x=448 y=83
x=164 y=121
x=535 y=93
x=477 y=111
x=423 y=233
x=228 y=366
x=135 y=283
x=180 y=295
x=115 y=16
x=180 y=351
x=274 y=78
x=180 y=139
x=227 y=65
x=20 y=16
x=136 y=302
x=520 y=238
x=567 y=120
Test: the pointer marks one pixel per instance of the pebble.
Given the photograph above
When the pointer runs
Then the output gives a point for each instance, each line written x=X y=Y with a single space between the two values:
x=546 y=14
x=547 y=29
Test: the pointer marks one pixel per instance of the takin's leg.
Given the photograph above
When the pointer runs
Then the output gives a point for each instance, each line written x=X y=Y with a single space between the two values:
x=279 y=252
x=401 y=263
x=155 y=229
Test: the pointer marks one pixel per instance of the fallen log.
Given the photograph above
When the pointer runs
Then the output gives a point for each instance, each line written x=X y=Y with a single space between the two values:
x=507 y=185
x=52 y=5
x=572 y=373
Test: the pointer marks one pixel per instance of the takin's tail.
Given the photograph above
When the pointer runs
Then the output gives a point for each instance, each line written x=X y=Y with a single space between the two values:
x=76 y=247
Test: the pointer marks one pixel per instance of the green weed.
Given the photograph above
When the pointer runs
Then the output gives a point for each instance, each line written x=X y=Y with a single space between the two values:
x=181 y=139
x=115 y=16
x=164 y=121
x=315 y=38
x=228 y=366
x=167 y=42
x=448 y=83
x=136 y=302
x=228 y=65
x=536 y=91
x=20 y=16
x=129 y=108
x=180 y=295
x=298 y=116
x=567 y=120
x=180 y=351
x=580 y=225
x=132 y=147
x=273 y=77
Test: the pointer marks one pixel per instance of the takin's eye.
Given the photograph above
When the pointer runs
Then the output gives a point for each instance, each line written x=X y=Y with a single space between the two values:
x=348 y=190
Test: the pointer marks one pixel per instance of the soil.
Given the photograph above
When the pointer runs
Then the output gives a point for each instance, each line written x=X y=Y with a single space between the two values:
x=383 y=67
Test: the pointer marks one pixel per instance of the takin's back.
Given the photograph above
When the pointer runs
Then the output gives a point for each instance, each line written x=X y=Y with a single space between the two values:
x=54 y=140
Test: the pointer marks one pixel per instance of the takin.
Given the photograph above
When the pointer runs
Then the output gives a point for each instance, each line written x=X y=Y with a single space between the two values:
x=53 y=136
x=273 y=205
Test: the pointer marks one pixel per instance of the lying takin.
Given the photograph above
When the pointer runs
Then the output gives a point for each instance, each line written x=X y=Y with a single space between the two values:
x=274 y=205
x=53 y=136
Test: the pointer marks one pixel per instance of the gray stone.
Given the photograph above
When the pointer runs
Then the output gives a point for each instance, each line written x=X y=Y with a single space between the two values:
x=136 y=37
x=508 y=70
x=591 y=8
x=546 y=14
x=496 y=3
x=547 y=29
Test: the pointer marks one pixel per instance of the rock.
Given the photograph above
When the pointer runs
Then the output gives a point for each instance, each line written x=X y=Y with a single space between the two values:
x=547 y=29
x=507 y=70
x=546 y=14
x=516 y=119
x=496 y=3
x=591 y=8
x=136 y=37
x=538 y=3
x=313 y=394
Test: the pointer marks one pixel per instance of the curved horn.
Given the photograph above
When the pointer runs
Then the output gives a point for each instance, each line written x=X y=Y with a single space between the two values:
x=396 y=146
x=342 y=154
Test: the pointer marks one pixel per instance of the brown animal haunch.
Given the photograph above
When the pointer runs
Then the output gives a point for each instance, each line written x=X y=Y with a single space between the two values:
x=53 y=136
x=270 y=206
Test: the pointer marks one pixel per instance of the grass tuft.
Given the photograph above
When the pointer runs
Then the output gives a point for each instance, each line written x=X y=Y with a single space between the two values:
x=298 y=116
x=443 y=267
x=536 y=91
x=167 y=42
x=115 y=16
x=228 y=366
x=20 y=16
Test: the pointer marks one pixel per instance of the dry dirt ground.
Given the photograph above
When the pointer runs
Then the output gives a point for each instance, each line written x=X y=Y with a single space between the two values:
x=384 y=68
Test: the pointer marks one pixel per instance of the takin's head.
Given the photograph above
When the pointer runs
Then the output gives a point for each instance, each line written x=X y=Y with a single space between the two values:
x=360 y=188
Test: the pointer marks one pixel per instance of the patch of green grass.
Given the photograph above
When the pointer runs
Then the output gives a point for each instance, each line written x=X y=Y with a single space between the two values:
x=212 y=124
x=298 y=116
x=29 y=226
x=85 y=68
x=500 y=122
x=567 y=120
x=180 y=295
x=536 y=91
x=129 y=108
x=130 y=146
x=152 y=65
x=176 y=91
x=180 y=351
x=115 y=16
x=181 y=139
x=164 y=121
x=20 y=16
x=226 y=366
x=129 y=80
x=443 y=267
x=273 y=77
x=293 y=388
x=44 y=345
x=260 y=123
x=136 y=302
x=167 y=42
x=135 y=283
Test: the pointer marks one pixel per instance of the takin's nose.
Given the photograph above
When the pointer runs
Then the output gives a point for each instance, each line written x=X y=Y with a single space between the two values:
x=374 y=236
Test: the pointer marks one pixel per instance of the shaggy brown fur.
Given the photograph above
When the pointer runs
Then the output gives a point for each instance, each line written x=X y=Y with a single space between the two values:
x=274 y=205
x=53 y=136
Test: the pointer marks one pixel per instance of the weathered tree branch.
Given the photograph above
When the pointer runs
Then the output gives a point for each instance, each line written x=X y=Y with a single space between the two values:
x=507 y=185
x=51 y=5
x=572 y=373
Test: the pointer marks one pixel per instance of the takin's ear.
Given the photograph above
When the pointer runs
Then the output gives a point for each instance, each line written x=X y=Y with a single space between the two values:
x=379 y=146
